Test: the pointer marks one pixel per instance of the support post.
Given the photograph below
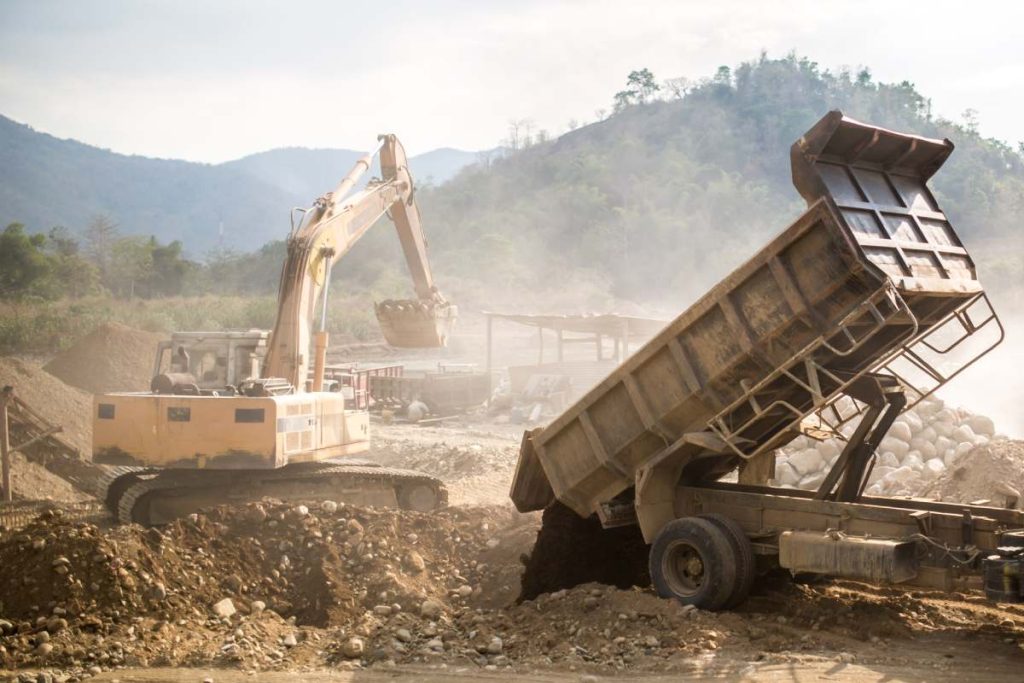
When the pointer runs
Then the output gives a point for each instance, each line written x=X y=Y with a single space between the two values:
x=6 y=396
x=490 y=338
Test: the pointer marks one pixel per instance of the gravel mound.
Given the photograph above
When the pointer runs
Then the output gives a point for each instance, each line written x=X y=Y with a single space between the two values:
x=986 y=472
x=333 y=567
x=58 y=403
x=111 y=358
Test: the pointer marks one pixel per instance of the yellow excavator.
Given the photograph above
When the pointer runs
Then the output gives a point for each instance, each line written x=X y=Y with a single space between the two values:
x=236 y=416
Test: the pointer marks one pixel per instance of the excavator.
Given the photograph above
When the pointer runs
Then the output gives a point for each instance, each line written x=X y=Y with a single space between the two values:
x=237 y=416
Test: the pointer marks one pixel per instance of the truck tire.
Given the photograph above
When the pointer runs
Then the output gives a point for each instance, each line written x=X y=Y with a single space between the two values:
x=692 y=560
x=746 y=564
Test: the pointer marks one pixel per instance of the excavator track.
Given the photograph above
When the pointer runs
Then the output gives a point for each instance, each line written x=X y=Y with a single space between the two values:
x=151 y=498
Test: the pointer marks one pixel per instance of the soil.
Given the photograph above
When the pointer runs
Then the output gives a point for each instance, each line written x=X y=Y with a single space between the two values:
x=982 y=474
x=56 y=402
x=469 y=592
x=112 y=358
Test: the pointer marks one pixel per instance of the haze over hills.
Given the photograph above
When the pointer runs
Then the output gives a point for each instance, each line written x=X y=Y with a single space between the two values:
x=242 y=204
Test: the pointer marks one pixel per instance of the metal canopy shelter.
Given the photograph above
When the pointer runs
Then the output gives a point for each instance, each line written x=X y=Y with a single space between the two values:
x=620 y=328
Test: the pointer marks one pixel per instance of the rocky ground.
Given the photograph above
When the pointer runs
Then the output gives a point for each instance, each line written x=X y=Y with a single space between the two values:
x=297 y=588
x=336 y=592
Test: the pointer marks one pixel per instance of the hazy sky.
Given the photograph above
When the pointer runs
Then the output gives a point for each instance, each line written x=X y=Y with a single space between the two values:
x=211 y=81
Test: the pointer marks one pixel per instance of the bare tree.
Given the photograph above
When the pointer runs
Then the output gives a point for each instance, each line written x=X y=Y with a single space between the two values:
x=678 y=87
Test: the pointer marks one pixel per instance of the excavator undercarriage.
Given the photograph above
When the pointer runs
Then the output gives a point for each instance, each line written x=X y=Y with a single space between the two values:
x=151 y=497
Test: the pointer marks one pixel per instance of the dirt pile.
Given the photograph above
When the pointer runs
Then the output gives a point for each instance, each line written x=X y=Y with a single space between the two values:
x=55 y=401
x=112 y=357
x=990 y=471
x=286 y=567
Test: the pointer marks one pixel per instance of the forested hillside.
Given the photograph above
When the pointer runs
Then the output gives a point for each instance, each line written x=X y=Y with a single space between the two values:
x=657 y=202
x=645 y=208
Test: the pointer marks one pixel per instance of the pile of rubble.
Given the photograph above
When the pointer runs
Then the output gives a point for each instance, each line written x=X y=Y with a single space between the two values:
x=922 y=444
x=258 y=585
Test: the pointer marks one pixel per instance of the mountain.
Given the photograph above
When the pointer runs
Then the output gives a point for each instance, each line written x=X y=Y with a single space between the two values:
x=307 y=173
x=242 y=204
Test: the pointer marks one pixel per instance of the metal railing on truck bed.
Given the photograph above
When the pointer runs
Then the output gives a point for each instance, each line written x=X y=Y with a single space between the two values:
x=859 y=284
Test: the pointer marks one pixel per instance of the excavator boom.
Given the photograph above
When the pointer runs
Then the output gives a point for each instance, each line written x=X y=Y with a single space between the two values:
x=327 y=231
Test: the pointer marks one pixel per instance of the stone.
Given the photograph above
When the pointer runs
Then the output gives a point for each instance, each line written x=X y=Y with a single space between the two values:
x=829 y=449
x=924 y=447
x=431 y=609
x=786 y=475
x=913 y=421
x=225 y=609
x=492 y=543
x=301 y=510
x=157 y=592
x=934 y=467
x=435 y=644
x=354 y=647
x=888 y=459
x=901 y=431
x=464 y=591
x=329 y=506
x=813 y=480
x=980 y=425
x=382 y=610
x=807 y=461
x=963 y=433
x=257 y=606
x=652 y=641
x=43 y=649
x=56 y=624
x=413 y=561
x=290 y=640
x=403 y=635
x=913 y=461
x=495 y=646
x=898 y=447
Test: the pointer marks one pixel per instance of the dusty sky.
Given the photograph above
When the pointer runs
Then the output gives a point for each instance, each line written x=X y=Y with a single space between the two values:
x=215 y=80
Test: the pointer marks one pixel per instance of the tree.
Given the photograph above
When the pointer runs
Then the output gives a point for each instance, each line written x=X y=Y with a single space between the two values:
x=131 y=263
x=76 y=276
x=169 y=269
x=100 y=236
x=640 y=87
x=25 y=269
x=678 y=87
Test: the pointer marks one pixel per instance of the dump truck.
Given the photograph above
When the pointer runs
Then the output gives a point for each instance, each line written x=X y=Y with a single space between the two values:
x=861 y=308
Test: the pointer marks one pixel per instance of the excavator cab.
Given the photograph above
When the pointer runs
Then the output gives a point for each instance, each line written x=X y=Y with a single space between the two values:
x=414 y=323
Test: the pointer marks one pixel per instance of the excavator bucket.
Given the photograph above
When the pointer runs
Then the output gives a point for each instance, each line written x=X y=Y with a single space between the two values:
x=414 y=323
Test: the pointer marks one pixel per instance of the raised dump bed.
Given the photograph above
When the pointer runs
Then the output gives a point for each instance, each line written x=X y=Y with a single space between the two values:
x=871 y=278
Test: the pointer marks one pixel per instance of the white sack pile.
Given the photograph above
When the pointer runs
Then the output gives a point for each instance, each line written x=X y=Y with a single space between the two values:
x=921 y=445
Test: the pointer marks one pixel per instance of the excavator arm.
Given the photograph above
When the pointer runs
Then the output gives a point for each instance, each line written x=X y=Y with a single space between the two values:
x=326 y=232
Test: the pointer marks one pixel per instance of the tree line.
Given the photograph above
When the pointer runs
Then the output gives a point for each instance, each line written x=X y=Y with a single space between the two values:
x=57 y=264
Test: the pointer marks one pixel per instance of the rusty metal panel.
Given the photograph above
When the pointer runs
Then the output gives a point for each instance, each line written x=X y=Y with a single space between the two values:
x=880 y=560
x=877 y=178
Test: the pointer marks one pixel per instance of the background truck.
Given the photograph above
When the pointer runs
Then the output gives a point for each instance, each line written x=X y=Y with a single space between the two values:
x=862 y=307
